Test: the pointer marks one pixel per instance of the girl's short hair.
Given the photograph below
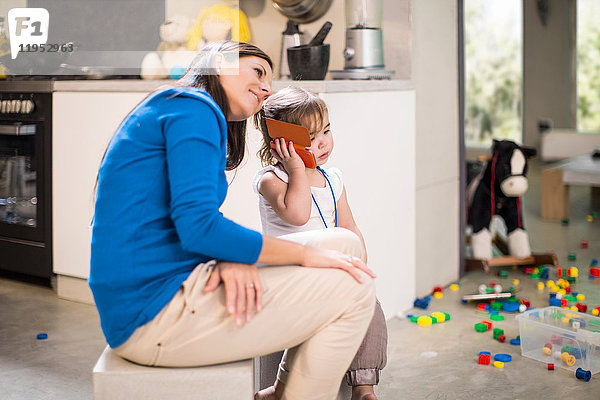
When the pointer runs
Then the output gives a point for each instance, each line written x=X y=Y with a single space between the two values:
x=294 y=105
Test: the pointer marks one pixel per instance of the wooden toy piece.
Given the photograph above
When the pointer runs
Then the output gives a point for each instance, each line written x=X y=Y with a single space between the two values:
x=297 y=134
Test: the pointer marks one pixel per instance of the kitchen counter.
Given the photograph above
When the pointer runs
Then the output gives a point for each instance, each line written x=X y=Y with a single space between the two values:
x=144 y=86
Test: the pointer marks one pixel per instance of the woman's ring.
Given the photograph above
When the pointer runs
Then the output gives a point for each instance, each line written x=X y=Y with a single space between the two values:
x=250 y=286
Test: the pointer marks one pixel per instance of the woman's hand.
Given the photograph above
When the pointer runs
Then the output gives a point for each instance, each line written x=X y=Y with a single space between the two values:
x=323 y=258
x=286 y=155
x=243 y=291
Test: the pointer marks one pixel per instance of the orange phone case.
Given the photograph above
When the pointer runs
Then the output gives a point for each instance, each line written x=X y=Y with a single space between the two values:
x=297 y=134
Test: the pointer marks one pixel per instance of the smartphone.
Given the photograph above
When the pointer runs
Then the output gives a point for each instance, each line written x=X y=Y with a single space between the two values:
x=297 y=134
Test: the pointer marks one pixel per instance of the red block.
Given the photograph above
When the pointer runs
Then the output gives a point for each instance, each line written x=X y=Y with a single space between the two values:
x=584 y=244
x=563 y=302
x=527 y=303
x=501 y=338
x=581 y=307
x=484 y=359
x=481 y=306
x=437 y=289
x=488 y=323
x=528 y=270
x=550 y=367
x=548 y=345
x=595 y=271
x=493 y=283
x=568 y=289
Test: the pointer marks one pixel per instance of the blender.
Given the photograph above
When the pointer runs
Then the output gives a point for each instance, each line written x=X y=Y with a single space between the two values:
x=363 y=54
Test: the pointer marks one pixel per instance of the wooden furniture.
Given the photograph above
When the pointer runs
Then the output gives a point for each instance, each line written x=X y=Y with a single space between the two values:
x=556 y=179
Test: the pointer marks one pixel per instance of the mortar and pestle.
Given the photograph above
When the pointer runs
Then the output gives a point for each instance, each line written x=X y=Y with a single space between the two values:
x=310 y=61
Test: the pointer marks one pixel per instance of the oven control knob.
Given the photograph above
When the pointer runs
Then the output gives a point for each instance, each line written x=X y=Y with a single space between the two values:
x=27 y=106
x=3 y=104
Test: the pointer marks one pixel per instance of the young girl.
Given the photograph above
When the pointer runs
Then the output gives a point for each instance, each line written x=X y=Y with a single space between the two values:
x=295 y=199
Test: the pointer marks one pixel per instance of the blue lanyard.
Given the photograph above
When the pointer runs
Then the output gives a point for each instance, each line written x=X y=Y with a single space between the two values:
x=332 y=195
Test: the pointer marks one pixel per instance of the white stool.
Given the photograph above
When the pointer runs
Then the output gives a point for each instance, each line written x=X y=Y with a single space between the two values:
x=115 y=378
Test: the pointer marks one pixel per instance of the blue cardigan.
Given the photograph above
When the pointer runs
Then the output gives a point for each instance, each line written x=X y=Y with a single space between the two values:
x=160 y=187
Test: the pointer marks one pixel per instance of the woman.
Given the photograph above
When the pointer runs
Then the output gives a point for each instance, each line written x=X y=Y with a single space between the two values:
x=161 y=248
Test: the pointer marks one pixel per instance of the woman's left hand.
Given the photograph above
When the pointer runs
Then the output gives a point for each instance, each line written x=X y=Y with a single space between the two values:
x=243 y=290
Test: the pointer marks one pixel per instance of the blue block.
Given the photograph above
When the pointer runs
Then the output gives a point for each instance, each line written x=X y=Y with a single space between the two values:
x=554 y=302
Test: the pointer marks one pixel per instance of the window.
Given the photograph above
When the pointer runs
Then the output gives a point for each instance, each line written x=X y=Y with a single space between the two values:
x=493 y=48
x=588 y=66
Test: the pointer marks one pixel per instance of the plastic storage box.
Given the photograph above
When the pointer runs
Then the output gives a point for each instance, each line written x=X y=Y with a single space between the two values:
x=561 y=331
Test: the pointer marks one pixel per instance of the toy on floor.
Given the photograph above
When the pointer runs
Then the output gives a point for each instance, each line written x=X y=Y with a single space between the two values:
x=497 y=190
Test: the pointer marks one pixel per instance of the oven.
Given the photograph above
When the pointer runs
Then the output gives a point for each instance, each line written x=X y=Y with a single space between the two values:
x=26 y=183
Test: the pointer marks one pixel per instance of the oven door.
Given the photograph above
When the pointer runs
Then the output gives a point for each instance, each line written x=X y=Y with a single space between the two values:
x=20 y=184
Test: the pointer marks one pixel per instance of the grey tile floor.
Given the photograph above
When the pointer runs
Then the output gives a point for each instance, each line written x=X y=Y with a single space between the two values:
x=435 y=362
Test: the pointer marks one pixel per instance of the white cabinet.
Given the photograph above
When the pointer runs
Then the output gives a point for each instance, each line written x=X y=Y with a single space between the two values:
x=374 y=134
x=83 y=124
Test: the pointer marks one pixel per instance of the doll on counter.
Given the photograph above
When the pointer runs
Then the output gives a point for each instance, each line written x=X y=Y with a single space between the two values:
x=216 y=23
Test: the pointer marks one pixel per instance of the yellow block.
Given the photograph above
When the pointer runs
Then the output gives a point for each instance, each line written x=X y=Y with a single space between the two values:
x=515 y=282
x=454 y=287
x=580 y=297
x=440 y=317
x=547 y=351
x=540 y=286
x=424 y=320
x=498 y=364
x=438 y=295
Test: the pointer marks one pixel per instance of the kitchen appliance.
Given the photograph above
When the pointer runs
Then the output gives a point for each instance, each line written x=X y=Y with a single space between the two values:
x=310 y=61
x=290 y=37
x=364 y=42
x=26 y=180
x=302 y=11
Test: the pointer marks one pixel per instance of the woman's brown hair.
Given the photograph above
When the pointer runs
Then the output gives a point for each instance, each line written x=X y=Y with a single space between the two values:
x=294 y=105
x=203 y=74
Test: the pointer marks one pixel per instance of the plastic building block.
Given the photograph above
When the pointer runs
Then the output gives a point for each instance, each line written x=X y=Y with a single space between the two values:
x=594 y=214
x=424 y=320
x=565 y=221
x=596 y=311
x=437 y=289
x=498 y=364
x=581 y=307
x=485 y=352
x=501 y=338
x=510 y=307
x=483 y=307
x=590 y=218
x=595 y=272
x=594 y=262
x=540 y=286
x=484 y=359
x=582 y=374
x=446 y=316
x=421 y=303
x=550 y=367
x=454 y=287
x=515 y=342
x=584 y=244
x=567 y=359
x=547 y=351
x=503 y=357
x=572 y=256
x=497 y=332
x=42 y=336
x=479 y=327
x=497 y=317
x=440 y=317
x=438 y=295
x=554 y=302
x=503 y=273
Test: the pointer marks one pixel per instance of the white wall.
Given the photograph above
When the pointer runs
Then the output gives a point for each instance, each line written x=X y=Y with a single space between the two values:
x=435 y=78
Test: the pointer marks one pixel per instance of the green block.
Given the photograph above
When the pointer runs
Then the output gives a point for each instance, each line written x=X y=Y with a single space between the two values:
x=489 y=290
x=447 y=316
x=571 y=279
x=565 y=221
x=503 y=273
x=497 y=332
x=572 y=257
x=414 y=318
x=570 y=298
x=595 y=214
x=497 y=305
x=511 y=300
x=433 y=319
x=534 y=276
x=566 y=349
x=479 y=327
x=497 y=317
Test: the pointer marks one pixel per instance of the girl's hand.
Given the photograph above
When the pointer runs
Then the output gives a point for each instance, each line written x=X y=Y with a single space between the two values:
x=286 y=155
x=243 y=291
x=322 y=258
